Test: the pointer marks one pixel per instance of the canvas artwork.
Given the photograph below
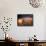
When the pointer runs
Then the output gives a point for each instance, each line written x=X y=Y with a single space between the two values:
x=25 y=20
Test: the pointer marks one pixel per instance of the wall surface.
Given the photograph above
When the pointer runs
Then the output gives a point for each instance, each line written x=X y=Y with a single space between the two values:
x=10 y=8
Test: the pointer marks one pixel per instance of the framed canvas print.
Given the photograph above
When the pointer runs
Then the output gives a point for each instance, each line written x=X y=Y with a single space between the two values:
x=24 y=19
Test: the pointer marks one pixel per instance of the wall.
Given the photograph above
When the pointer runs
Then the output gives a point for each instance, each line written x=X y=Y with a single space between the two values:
x=10 y=8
